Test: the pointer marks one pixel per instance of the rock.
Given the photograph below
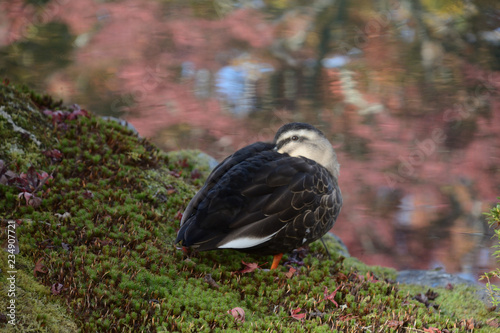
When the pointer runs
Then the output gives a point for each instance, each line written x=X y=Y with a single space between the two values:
x=439 y=278
x=432 y=278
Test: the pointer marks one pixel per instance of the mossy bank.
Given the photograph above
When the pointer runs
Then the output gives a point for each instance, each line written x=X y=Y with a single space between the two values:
x=95 y=211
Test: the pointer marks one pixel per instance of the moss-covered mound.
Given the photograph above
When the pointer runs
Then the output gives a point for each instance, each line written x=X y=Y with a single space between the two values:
x=95 y=211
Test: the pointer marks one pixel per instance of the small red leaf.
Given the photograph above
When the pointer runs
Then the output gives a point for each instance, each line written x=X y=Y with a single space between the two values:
x=53 y=154
x=249 y=267
x=238 y=314
x=331 y=297
x=39 y=267
x=346 y=317
x=296 y=315
x=175 y=174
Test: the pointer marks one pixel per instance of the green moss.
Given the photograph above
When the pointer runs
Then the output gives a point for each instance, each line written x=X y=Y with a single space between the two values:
x=105 y=230
x=493 y=217
x=461 y=302
x=379 y=271
x=35 y=309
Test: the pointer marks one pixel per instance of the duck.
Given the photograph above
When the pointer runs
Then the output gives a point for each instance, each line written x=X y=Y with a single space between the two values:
x=267 y=198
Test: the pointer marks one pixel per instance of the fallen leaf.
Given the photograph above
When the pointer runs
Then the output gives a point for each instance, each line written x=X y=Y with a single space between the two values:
x=7 y=176
x=394 y=323
x=370 y=277
x=238 y=314
x=175 y=174
x=56 y=288
x=431 y=295
x=249 y=267
x=290 y=273
x=39 y=267
x=341 y=277
x=31 y=176
x=26 y=195
x=60 y=116
x=31 y=181
x=432 y=330
x=331 y=297
x=78 y=112
x=296 y=315
x=183 y=163
x=31 y=199
x=346 y=317
x=55 y=155
x=421 y=298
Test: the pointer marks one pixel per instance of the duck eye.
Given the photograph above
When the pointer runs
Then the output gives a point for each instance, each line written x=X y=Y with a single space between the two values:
x=295 y=138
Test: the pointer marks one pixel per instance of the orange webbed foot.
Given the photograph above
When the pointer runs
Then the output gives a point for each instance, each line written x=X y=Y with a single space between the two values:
x=276 y=260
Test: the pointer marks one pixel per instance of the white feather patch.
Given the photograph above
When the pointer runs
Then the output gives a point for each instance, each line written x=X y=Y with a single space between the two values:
x=246 y=242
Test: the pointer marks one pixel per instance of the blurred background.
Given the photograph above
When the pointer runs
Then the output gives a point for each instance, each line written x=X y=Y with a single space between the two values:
x=407 y=92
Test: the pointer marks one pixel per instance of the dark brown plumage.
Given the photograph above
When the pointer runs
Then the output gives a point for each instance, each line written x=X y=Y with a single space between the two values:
x=267 y=198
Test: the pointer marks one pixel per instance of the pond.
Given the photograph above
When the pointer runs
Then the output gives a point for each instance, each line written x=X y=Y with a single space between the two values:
x=406 y=91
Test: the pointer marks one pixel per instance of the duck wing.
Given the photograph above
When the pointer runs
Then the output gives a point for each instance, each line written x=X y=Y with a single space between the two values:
x=258 y=197
x=219 y=171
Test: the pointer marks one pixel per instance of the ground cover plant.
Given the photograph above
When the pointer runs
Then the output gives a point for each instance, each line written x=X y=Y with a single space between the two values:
x=493 y=217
